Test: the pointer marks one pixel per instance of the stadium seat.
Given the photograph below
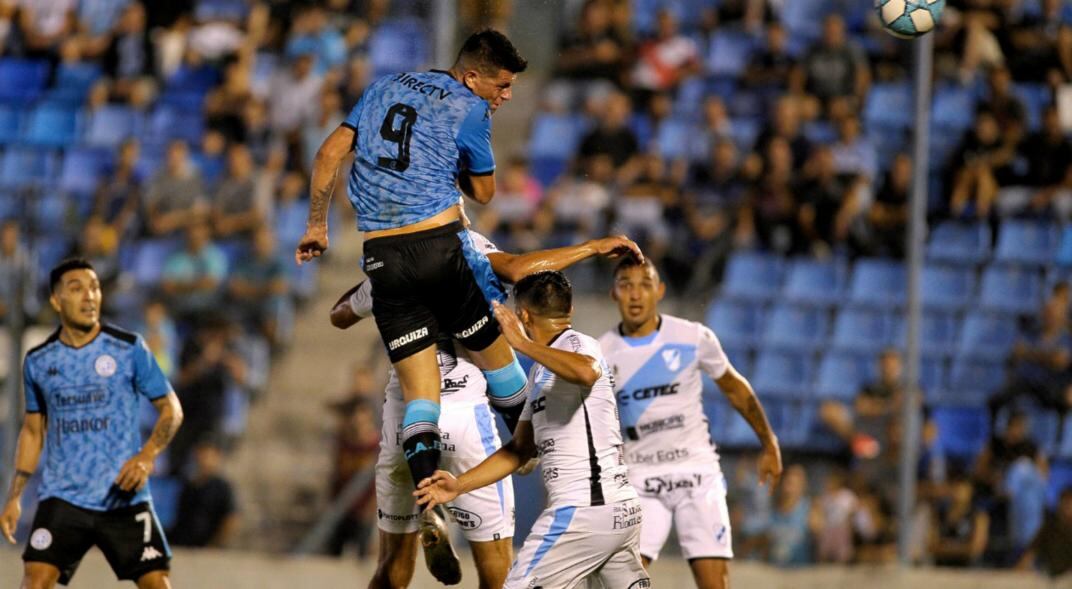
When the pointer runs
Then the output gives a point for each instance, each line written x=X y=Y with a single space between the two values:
x=962 y=431
x=1011 y=290
x=740 y=356
x=820 y=132
x=783 y=374
x=1035 y=98
x=959 y=243
x=22 y=81
x=972 y=381
x=150 y=259
x=199 y=79
x=398 y=46
x=1060 y=479
x=1027 y=243
x=987 y=337
x=24 y=167
x=815 y=282
x=729 y=52
x=863 y=330
x=10 y=124
x=743 y=131
x=953 y=109
x=51 y=125
x=187 y=102
x=1064 y=249
x=11 y=206
x=795 y=328
x=73 y=82
x=938 y=332
x=82 y=170
x=111 y=125
x=50 y=249
x=947 y=288
x=728 y=428
x=739 y=322
x=165 y=492
x=889 y=105
x=752 y=276
x=169 y=122
x=878 y=283
x=842 y=374
x=933 y=377
x=673 y=140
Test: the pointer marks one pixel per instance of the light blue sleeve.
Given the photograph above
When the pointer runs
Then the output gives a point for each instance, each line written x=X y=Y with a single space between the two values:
x=149 y=379
x=354 y=117
x=33 y=394
x=474 y=141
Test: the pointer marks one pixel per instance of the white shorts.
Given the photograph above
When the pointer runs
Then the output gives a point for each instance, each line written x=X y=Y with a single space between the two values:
x=694 y=502
x=469 y=436
x=568 y=545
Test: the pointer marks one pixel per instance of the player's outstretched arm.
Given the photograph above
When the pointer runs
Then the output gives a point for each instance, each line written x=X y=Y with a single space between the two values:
x=349 y=309
x=27 y=455
x=443 y=487
x=322 y=184
x=135 y=472
x=570 y=366
x=514 y=267
x=743 y=398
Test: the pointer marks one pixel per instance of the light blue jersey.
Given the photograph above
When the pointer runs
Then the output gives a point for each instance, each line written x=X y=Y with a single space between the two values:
x=416 y=132
x=90 y=397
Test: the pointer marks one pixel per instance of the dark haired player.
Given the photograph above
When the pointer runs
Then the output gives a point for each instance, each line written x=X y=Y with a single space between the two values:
x=83 y=388
x=592 y=521
x=658 y=363
x=416 y=138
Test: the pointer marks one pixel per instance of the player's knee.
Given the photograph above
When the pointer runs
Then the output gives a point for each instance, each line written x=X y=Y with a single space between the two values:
x=40 y=576
x=154 y=580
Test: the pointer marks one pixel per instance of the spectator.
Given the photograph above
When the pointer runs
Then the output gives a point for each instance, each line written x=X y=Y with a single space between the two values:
x=1006 y=107
x=834 y=521
x=118 y=197
x=192 y=276
x=175 y=199
x=770 y=211
x=45 y=24
x=358 y=75
x=294 y=92
x=876 y=404
x=716 y=128
x=835 y=67
x=129 y=54
x=772 y=66
x=873 y=537
x=211 y=160
x=576 y=208
x=959 y=528
x=328 y=117
x=513 y=211
x=664 y=61
x=98 y=18
x=612 y=135
x=226 y=104
x=259 y=289
x=641 y=209
x=311 y=34
x=853 y=153
x=1041 y=45
x=207 y=513
x=792 y=521
x=887 y=217
x=1049 y=163
x=829 y=203
x=356 y=447
x=16 y=267
x=100 y=246
x=594 y=50
x=785 y=123
x=712 y=200
x=160 y=335
x=1052 y=547
x=981 y=166
x=209 y=365
x=239 y=207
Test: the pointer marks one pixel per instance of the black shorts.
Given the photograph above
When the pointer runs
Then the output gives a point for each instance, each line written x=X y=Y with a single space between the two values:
x=429 y=281
x=130 y=538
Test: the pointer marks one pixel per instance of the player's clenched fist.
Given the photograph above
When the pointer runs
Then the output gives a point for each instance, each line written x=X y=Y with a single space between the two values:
x=135 y=473
x=9 y=520
x=312 y=245
x=437 y=489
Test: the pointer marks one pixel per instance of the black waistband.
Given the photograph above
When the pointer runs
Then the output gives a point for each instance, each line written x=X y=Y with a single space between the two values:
x=452 y=228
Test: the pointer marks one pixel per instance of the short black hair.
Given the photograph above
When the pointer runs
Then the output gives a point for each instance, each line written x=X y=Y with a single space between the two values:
x=56 y=274
x=490 y=49
x=546 y=293
x=631 y=261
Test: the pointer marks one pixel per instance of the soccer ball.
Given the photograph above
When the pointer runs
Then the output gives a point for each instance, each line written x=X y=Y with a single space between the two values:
x=908 y=19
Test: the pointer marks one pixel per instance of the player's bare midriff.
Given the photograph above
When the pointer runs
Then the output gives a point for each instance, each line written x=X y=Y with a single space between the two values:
x=446 y=217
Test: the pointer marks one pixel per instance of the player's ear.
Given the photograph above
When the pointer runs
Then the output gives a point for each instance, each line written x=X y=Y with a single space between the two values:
x=661 y=290
x=469 y=79
x=54 y=302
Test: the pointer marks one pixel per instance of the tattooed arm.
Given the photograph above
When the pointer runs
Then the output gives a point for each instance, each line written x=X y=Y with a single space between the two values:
x=740 y=394
x=27 y=455
x=322 y=184
x=135 y=473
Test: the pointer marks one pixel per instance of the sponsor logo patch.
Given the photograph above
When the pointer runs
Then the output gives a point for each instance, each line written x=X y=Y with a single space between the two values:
x=472 y=328
x=395 y=517
x=467 y=520
x=410 y=337
x=41 y=539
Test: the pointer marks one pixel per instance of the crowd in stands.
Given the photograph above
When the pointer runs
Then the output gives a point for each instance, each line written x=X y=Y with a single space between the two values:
x=169 y=142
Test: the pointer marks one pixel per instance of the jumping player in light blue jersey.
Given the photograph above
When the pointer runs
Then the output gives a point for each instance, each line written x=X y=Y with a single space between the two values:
x=420 y=140
x=83 y=386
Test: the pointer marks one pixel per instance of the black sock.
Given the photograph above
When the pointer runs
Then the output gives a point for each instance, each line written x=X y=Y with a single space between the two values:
x=422 y=453
x=511 y=415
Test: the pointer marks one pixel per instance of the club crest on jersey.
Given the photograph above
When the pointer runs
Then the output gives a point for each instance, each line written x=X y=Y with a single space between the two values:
x=41 y=539
x=105 y=365
x=672 y=359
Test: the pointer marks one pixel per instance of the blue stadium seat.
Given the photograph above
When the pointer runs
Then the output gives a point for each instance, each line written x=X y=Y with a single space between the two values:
x=23 y=167
x=933 y=377
x=1011 y=290
x=1064 y=250
x=187 y=102
x=1027 y=242
x=73 y=82
x=947 y=288
x=889 y=105
x=555 y=135
x=728 y=428
x=743 y=131
x=740 y=356
x=10 y=124
x=674 y=138
x=729 y=52
x=987 y=337
x=82 y=170
x=166 y=492
x=50 y=249
x=863 y=330
x=800 y=17
x=111 y=125
x=795 y=328
x=953 y=109
x=199 y=79
x=962 y=431
x=1060 y=479
x=820 y=132
x=972 y=381
x=815 y=282
x=739 y=322
x=51 y=125
x=842 y=374
x=169 y=122
x=150 y=259
x=783 y=374
x=752 y=276
x=959 y=243
x=11 y=205
x=878 y=283
x=1036 y=97
x=938 y=332
x=398 y=46
x=22 y=81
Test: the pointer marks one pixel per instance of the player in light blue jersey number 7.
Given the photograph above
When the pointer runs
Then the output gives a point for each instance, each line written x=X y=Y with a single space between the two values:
x=420 y=140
